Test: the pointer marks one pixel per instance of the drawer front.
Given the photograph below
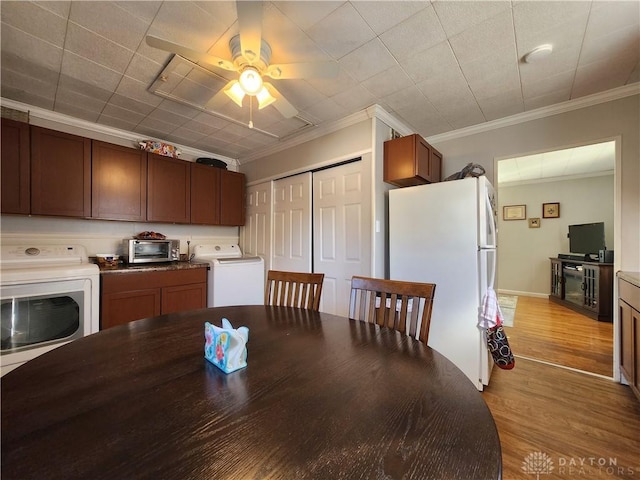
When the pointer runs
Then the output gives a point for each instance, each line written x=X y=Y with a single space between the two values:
x=629 y=293
x=128 y=281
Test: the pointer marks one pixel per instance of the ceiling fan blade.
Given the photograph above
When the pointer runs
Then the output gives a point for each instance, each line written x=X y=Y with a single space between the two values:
x=193 y=55
x=303 y=70
x=282 y=104
x=250 y=24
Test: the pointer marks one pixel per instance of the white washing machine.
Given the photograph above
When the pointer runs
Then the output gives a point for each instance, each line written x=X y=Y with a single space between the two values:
x=234 y=279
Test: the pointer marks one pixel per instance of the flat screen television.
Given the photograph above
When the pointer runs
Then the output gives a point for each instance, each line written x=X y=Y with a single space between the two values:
x=586 y=238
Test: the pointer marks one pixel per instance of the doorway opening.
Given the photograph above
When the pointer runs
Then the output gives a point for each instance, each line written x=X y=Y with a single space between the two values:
x=579 y=184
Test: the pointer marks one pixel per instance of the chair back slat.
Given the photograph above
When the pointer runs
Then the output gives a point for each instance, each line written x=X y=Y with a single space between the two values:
x=399 y=305
x=293 y=289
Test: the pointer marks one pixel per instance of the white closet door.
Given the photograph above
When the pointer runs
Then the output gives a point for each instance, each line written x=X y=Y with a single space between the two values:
x=342 y=231
x=292 y=223
x=256 y=232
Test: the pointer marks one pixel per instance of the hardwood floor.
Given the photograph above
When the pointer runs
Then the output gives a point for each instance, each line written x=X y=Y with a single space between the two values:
x=586 y=426
x=546 y=331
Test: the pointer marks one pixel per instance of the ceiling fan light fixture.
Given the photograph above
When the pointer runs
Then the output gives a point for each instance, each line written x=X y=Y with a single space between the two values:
x=264 y=98
x=251 y=81
x=235 y=92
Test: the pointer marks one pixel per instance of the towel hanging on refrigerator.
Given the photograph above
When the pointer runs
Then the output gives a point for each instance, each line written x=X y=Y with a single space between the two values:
x=491 y=322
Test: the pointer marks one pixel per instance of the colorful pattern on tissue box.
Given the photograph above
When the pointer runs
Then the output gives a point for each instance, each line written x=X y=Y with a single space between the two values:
x=226 y=347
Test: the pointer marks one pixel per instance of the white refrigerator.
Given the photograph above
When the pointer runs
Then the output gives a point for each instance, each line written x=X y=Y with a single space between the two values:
x=445 y=233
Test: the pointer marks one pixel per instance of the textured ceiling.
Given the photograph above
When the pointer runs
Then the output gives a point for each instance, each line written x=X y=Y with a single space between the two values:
x=596 y=159
x=437 y=66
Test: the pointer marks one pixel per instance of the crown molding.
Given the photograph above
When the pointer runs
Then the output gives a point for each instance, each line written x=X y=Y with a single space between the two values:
x=568 y=106
x=388 y=119
x=63 y=119
x=309 y=134
x=374 y=111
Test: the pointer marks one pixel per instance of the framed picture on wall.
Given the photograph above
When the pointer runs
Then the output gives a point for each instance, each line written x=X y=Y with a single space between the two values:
x=514 y=212
x=534 y=222
x=550 y=210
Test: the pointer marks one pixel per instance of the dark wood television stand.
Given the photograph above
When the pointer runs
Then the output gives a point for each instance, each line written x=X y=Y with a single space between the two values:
x=585 y=287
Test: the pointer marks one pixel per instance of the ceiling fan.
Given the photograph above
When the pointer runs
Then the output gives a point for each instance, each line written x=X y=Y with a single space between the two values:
x=250 y=57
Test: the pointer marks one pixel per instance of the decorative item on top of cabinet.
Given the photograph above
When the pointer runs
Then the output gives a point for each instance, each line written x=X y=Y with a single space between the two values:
x=119 y=182
x=15 y=175
x=169 y=189
x=411 y=161
x=232 y=198
x=60 y=173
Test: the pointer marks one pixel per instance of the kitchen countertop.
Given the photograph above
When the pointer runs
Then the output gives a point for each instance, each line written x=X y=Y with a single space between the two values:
x=631 y=277
x=151 y=267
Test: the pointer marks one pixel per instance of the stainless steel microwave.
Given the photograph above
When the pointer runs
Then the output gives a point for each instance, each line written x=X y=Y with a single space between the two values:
x=152 y=251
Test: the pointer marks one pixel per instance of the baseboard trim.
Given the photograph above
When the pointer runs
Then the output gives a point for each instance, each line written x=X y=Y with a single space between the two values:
x=523 y=294
x=605 y=377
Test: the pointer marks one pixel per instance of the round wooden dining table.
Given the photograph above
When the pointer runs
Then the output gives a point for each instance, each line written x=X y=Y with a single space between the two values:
x=322 y=397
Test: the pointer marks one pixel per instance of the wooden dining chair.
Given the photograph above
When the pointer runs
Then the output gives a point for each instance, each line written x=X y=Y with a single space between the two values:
x=293 y=289
x=402 y=306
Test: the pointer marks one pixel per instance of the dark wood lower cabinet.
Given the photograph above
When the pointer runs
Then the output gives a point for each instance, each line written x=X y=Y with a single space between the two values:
x=184 y=297
x=129 y=296
x=629 y=315
x=125 y=307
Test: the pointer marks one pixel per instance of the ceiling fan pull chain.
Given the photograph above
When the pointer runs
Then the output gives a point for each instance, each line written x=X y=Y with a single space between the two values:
x=250 y=111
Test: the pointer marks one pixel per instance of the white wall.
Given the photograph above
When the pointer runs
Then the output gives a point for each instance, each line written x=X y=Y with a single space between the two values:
x=604 y=121
x=380 y=194
x=99 y=236
x=523 y=253
x=344 y=144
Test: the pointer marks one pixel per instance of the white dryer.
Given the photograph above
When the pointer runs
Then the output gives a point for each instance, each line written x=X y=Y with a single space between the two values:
x=234 y=279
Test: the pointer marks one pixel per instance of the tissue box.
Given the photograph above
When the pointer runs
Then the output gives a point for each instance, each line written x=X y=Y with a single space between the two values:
x=226 y=347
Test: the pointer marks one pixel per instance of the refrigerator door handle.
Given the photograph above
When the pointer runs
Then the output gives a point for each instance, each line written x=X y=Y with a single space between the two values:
x=492 y=266
x=488 y=265
x=491 y=233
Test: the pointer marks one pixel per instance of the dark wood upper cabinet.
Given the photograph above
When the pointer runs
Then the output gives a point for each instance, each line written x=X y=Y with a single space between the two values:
x=47 y=172
x=60 y=173
x=205 y=195
x=15 y=167
x=411 y=161
x=119 y=184
x=169 y=189
x=232 y=198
